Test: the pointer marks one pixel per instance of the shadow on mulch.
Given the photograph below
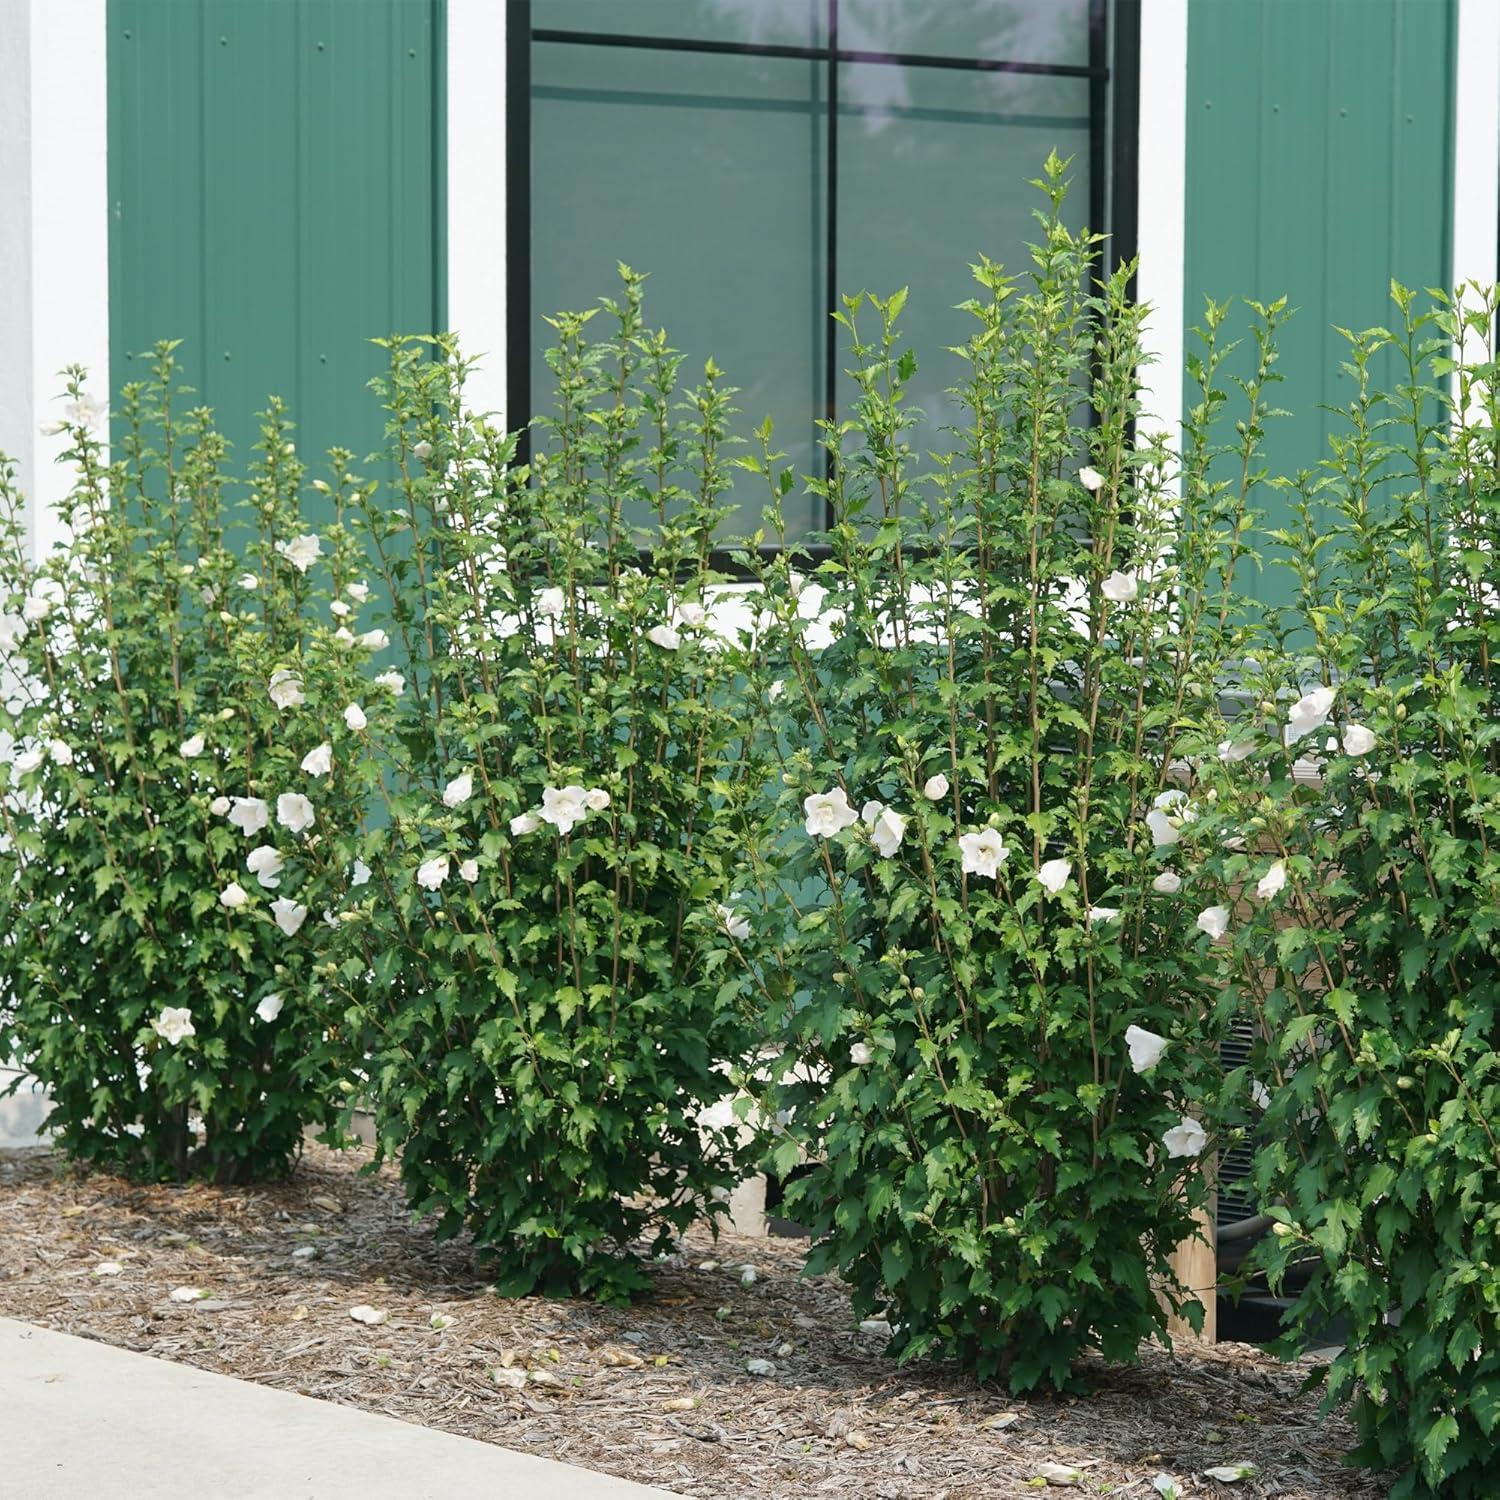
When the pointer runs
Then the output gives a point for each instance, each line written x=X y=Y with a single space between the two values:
x=658 y=1392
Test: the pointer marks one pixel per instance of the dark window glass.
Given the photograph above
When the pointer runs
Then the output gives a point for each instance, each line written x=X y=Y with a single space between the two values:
x=700 y=153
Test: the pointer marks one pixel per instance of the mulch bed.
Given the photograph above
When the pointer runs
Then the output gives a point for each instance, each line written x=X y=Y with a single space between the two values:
x=658 y=1392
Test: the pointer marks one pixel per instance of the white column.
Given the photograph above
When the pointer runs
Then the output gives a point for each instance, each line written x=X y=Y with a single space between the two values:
x=1161 y=207
x=1476 y=151
x=54 y=231
x=476 y=192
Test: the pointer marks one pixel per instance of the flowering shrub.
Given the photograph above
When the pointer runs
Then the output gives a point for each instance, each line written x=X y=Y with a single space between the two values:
x=545 y=920
x=176 y=797
x=1364 y=786
x=979 y=943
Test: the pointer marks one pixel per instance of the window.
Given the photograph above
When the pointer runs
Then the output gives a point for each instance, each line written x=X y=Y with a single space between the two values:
x=694 y=140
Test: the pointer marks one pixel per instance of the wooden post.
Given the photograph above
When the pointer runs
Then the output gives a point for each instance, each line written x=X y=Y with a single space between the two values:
x=1195 y=1263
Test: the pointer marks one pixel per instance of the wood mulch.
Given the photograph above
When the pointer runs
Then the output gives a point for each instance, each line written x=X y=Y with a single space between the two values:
x=658 y=1392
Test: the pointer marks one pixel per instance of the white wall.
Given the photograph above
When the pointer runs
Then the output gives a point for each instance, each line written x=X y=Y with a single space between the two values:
x=476 y=191
x=54 y=230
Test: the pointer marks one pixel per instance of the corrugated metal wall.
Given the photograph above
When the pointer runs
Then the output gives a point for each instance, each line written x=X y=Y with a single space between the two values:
x=275 y=195
x=1319 y=166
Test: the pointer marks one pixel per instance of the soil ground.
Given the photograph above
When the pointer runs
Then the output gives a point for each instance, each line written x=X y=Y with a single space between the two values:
x=658 y=1392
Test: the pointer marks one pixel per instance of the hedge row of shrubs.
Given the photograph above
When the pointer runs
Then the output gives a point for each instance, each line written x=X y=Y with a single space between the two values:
x=939 y=857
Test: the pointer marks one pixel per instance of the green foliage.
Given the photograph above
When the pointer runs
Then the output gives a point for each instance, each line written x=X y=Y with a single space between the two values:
x=1372 y=974
x=137 y=657
x=541 y=956
x=978 y=698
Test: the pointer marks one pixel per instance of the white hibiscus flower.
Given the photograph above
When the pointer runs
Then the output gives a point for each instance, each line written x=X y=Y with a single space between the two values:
x=295 y=812
x=1121 y=588
x=192 y=747
x=289 y=914
x=354 y=718
x=562 y=807
x=269 y=1007
x=1146 y=1048
x=983 y=853
x=301 y=552
x=431 y=873
x=735 y=924
x=458 y=791
x=1168 y=883
x=318 y=762
x=266 y=864
x=524 y=823
x=1214 y=920
x=285 y=689
x=1309 y=712
x=174 y=1024
x=248 y=814
x=1358 y=740
x=1053 y=875
x=828 y=813
x=233 y=896
x=392 y=681
x=664 y=636
x=935 y=788
x=1273 y=882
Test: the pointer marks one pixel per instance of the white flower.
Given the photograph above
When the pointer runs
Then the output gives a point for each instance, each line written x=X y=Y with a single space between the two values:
x=318 y=762
x=422 y=450
x=1053 y=875
x=564 y=806
x=458 y=791
x=302 y=551
x=359 y=592
x=1229 y=1473
x=983 y=853
x=28 y=760
x=85 y=412
x=248 y=814
x=664 y=636
x=191 y=748
x=828 y=813
x=375 y=640
x=1166 y=1487
x=289 y=914
x=345 y=638
x=269 y=1007
x=861 y=1054
x=1231 y=750
x=1214 y=920
x=1308 y=713
x=12 y=632
x=37 y=607
x=174 y=1024
x=775 y=691
x=233 y=896
x=294 y=811
x=737 y=926
x=266 y=865
x=219 y=806
x=1168 y=883
x=1121 y=588
x=1146 y=1048
x=1103 y=913
x=524 y=823
x=247 y=581
x=364 y=1313
x=887 y=828
x=1168 y=814
x=338 y=609
x=354 y=718
x=1091 y=479
x=935 y=788
x=550 y=604
x=1186 y=1138
x=360 y=874
x=1272 y=882
x=469 y=870
x=392 y=681
x=1358 y=740
x=692 y=613
x=596 y=798
x=187 y=1294
x=431 y=873
x=61 y=752
x=285 y=689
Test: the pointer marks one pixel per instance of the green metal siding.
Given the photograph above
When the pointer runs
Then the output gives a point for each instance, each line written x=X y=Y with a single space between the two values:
x=1319 y=166
x=275 y=195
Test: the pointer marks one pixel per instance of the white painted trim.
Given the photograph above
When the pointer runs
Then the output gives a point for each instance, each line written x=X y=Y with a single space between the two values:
x=476 y=191
x=1161 y=209
x=1476 y=143
x=54 y=246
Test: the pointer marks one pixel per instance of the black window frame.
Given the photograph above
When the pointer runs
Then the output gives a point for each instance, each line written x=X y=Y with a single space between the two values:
x=1112 y=71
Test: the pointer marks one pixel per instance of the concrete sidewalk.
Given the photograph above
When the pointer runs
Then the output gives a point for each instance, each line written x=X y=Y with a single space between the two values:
x=79 y=1418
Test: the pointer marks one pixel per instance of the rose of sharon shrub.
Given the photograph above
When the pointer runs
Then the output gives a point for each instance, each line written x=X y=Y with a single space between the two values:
x=980 y=942
x=177 y=799
x=1360 y=798
x=543 y=933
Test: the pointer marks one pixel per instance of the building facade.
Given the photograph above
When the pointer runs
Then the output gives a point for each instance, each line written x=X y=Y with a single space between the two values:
x=276 y=182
